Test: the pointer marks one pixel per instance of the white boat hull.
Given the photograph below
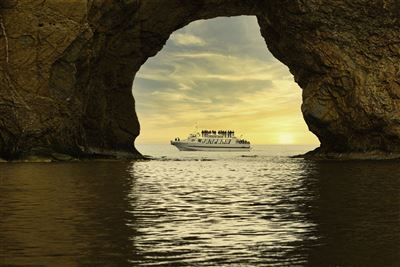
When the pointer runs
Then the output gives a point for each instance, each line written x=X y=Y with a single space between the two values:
x=187 y=146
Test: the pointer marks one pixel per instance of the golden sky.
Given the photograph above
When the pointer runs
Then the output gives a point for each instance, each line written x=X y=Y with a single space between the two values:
x=219 y=74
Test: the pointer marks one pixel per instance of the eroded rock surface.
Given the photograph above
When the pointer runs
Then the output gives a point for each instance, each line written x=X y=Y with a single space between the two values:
x=67 y=68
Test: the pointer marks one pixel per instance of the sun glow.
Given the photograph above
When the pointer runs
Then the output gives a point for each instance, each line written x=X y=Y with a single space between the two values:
x=286 y=139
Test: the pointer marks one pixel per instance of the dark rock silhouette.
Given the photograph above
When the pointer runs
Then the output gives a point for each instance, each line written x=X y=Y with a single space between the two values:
x=67 y=68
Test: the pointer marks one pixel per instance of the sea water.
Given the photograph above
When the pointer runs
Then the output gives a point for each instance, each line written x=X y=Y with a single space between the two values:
x=257 y=208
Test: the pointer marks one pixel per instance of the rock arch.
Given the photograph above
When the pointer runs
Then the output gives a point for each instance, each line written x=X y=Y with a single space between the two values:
x=66 y=83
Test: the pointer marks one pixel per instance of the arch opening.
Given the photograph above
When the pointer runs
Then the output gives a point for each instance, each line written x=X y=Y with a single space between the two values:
x=68 y=85
x=219 y=74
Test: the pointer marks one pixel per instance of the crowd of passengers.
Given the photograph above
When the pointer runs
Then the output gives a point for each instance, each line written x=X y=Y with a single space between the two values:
x=220 y=132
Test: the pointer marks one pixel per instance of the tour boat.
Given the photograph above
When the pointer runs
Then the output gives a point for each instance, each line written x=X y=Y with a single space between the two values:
x=210 y=140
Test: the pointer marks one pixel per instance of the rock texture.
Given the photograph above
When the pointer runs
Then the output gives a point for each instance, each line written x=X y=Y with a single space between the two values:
x=345 y=55
x=67 y=69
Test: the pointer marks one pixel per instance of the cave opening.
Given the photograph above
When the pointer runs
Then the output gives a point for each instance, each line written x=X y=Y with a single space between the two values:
x=73 y=95
x=219 y=74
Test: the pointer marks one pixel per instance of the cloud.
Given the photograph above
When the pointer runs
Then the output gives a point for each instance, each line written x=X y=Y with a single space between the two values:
x=187 y=39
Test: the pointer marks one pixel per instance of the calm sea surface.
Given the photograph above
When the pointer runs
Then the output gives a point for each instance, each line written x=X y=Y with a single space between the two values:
x=258 y=208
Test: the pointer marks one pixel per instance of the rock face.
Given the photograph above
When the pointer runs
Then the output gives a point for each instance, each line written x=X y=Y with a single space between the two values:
x=67 y=69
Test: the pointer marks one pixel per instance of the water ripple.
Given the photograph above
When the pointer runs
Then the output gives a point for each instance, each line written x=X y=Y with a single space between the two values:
x=201 y=210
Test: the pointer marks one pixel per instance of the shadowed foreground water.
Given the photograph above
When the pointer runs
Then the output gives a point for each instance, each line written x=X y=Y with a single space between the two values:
x=191 y=209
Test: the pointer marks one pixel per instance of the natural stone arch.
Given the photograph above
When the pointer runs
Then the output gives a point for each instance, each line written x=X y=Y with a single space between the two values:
x=81 y=57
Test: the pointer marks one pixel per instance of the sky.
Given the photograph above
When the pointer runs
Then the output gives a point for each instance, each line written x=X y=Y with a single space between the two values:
x=219 y=74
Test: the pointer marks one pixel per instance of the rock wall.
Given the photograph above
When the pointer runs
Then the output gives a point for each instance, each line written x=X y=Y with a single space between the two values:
x=67 y=68
x=345 y=55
